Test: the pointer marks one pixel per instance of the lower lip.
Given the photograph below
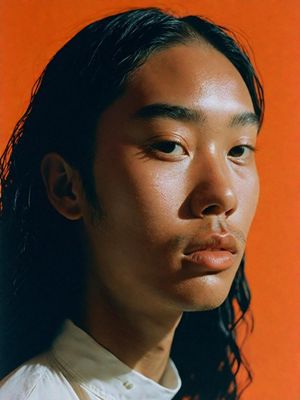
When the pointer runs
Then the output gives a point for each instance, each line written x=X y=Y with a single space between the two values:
x=217 y=260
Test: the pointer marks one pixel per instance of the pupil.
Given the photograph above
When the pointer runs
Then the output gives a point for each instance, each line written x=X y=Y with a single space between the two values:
x=237 y=151
x=166 y=147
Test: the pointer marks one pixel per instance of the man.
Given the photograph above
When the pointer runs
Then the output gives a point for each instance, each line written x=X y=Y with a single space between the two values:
x=128 y=190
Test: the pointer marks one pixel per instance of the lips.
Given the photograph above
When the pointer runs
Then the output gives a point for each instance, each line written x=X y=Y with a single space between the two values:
x=215 y=252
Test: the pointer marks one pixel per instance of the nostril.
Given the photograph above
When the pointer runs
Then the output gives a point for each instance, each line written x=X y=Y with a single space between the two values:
x=229 y=212
x=212 y=209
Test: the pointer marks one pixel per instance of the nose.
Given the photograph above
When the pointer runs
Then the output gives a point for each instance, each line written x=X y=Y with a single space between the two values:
x=214 y=192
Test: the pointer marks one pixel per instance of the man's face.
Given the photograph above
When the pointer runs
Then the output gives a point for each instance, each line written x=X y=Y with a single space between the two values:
x=177 y=186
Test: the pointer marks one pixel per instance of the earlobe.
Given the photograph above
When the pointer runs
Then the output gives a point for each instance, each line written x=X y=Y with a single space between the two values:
x=63 y=186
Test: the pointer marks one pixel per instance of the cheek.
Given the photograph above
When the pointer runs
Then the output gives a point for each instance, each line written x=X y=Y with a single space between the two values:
x=247 y=194
x=141 y=196
x=140 y=202
x=159 y=193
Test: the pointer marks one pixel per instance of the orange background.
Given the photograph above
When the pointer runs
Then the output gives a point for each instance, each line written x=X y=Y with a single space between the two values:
x=31 y=32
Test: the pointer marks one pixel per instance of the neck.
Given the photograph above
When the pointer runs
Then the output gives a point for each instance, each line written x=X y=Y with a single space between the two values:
x=141 y=340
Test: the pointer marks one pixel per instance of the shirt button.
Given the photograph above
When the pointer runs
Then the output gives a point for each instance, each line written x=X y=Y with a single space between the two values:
x=128 y=385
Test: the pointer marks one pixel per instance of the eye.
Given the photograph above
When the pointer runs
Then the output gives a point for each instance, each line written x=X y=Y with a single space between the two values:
x=241 y=151
x=168 y=147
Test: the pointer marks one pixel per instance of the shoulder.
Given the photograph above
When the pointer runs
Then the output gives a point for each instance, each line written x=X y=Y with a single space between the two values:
x=34 y=380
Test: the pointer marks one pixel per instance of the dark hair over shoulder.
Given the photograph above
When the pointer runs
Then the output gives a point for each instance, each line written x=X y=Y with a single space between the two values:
x=41 y=252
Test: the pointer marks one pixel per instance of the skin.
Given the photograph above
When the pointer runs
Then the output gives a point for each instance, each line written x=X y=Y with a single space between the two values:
x=156 y=199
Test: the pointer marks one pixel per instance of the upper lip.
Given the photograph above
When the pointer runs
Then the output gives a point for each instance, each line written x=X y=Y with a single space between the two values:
x=213 y=242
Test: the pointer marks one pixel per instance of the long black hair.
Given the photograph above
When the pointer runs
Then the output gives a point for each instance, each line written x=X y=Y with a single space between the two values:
x=41 y=252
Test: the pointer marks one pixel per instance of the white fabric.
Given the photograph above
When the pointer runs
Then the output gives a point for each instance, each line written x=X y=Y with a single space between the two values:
x=79 y=368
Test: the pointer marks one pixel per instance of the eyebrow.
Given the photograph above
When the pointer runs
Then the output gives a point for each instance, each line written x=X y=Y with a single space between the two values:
x=245 y=118
x=163 y=110
x=180 y=113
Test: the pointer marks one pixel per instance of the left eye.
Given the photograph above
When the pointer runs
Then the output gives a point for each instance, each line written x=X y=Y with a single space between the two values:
x=241 y=151
x=168 y=147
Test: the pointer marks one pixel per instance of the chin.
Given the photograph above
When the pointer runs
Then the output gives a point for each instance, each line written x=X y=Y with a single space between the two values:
x=208 y=294
x=211 y=305
x=208 y=305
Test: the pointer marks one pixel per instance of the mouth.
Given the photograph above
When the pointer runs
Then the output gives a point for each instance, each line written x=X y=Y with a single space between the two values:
x=214 y=253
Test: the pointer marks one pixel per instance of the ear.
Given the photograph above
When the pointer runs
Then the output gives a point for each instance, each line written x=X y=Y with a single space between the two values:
x=63 y=186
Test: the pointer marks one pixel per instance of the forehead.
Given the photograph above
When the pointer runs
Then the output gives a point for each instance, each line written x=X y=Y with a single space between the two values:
x=194 y=75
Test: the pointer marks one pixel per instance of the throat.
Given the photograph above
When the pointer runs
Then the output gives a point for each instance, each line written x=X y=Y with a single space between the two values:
x=140 y=337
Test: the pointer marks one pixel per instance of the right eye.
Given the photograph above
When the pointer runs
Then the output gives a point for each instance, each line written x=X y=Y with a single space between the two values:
x=168 y=147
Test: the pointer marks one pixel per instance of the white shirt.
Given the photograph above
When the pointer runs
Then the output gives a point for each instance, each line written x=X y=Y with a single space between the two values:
x=77 y=367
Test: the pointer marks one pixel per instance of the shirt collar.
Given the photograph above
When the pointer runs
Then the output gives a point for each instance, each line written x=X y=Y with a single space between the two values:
x=99 y=371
